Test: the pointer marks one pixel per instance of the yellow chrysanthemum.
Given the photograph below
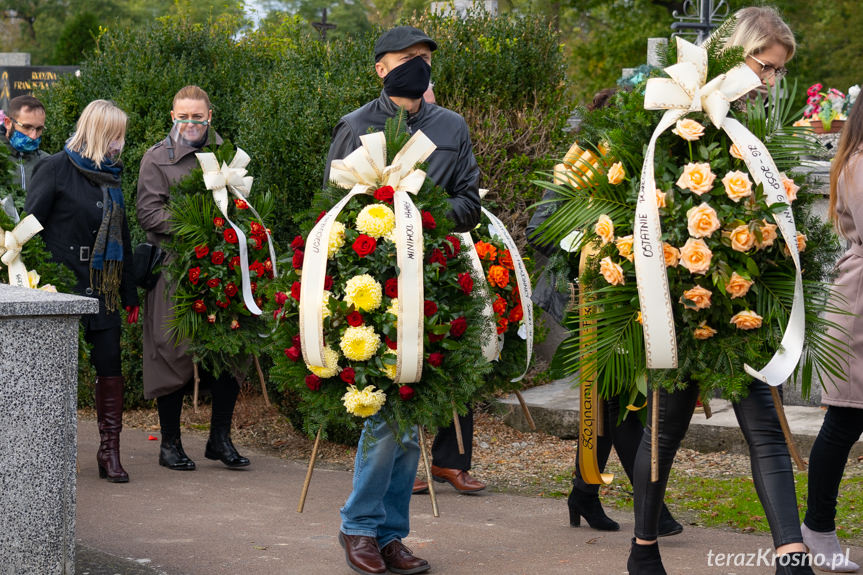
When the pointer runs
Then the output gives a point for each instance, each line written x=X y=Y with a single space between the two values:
x=390 y=370
x=360 y=343
x=325 y=311
x=363 y=292
x=331 y=364
x=376 y=220
x=337 y=239
x=363 y=402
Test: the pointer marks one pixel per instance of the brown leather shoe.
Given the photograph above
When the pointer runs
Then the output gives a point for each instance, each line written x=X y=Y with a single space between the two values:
x=399 y=559
x=362 y=554
x=461 y=480
x=420 y=486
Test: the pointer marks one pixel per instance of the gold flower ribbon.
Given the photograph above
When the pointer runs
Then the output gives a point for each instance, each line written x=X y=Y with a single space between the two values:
x=363 y=171
x=10 y=249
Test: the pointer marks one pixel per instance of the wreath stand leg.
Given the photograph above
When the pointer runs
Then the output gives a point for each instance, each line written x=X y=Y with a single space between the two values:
x=786 y=431
x=456 y=423
x=263 y=383
x=197 y=379
x=422 y=441
x=311 y=468
x=708 y=413
x=654 y=437
x=525 y=410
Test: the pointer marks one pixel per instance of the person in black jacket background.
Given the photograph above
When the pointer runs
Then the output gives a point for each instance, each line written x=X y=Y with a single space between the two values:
x=77 y=197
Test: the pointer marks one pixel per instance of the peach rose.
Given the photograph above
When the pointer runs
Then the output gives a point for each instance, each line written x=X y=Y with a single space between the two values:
x=624 y=247
x=696 y=298
x=801 y=244
x=791 y=188
x=737 y=286
x=612 y=272
x=702 y=221
x=768 y=235
x=735 y=152
x=616 y=173
x=697 y=178
x=742 y=239
x=746 y=320
x=689 y=130
x=737 y=185
x=696 y=256
x=671 y=255
x=703 y=331
x=604 y=229
x=660 y=198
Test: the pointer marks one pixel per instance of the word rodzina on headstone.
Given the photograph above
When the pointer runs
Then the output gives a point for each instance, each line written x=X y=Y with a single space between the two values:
x=19 y=80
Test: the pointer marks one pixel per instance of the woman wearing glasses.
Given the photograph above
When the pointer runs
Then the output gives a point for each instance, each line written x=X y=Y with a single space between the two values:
x=767 y=44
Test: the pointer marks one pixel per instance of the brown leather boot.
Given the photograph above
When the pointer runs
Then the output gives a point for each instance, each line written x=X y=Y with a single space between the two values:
x=420 y=486
x=460 y=480
x=399 y=559
x=109 y=412
x=362 y=554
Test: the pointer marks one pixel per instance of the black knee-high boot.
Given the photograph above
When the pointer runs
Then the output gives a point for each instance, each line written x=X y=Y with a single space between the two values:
x=219 y=446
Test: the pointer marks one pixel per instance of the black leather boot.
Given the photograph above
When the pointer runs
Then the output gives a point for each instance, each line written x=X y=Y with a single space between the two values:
x=109 y=414
x=645 y=560
x=668 y=525
x=220 y=448
x=797 y=563
x=587 y=505
x=172 y=456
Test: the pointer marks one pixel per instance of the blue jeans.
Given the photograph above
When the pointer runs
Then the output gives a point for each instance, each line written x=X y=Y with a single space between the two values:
x=379 y=505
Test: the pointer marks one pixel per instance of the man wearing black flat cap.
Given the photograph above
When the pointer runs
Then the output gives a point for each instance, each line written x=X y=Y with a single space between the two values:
x=376 y=516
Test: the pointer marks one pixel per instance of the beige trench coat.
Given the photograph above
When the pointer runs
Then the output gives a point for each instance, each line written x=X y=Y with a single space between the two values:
x=167 y=367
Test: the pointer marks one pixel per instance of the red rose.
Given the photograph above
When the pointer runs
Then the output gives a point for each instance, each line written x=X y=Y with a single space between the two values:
x=406 y=392
x=348 y=375
x=364 y=245
x=201 y=251
x=280 y=298
x=223 y=303
x=231 y=289
x=385 y=194
x=235 y=261
x=433 y=337
x=435 y=359
x=259 y=242
x=465 y=282
x=218 y=222
x=298 y=259
x=194 y=275
x=257 y=229
x=213 y=282
x=268 y=265
x=253 y=286
x=391 y=287
x=298 y=243
x=276 y=313
x=211 y=318
x=230 y=235
x=199 y=306
x=516 y=313
x=328 y=283
x=295 y=291
x=429 y=308
x=457 y=326
x=217 y=258
x=391 y=344
x=355 y=319
x=241 y=204
x=258 y=268
x=438 y=257
x=313 y=382
x=296 y=341
x=452 y=246
x=320 y=215
x=293 y=353
x=428 y=221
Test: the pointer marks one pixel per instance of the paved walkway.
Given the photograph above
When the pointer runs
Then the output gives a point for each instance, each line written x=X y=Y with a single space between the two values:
x=244 y=522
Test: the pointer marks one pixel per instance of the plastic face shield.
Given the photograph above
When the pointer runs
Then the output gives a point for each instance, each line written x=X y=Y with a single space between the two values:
x=190 y=132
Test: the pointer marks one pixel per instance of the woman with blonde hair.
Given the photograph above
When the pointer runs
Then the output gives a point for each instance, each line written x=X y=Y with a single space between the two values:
x=76 y=195
x=843 y=422
x=767 y=44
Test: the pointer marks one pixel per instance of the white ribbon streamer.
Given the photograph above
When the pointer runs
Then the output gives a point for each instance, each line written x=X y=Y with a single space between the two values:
x=10 y=249
x=409 y=257
x=490 y=347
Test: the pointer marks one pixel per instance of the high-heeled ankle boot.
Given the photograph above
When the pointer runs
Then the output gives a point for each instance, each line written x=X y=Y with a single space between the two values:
x=644 y=560
x=171 y=454
x=109 y=414
x=587 y=505
x=797 y=563
x=668 y=525
x=826 y=551
x=220 y=448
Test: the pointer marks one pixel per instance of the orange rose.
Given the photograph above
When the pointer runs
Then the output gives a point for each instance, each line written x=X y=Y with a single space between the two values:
x=742 y=238
x=801 y=244
x=768 y=235
x=737 y=286
x=485 y=251
x=671 y=255
x=702 y=221
x=612 y=272
x=604 y=229
x=616 y=173
x=737 y=185
x=505 y=260
x=746 y=320
x=791 y=188
x=498 y=276
x=696 y=256
x=735 y=152
x=689 y=130
x=696 y=298
x=703 y=331
x=624 y=247
x=697 y=178
x=660 y=198
x=499 y=305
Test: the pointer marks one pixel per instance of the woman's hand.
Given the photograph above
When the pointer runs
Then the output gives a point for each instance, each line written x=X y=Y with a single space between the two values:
x=132 y=313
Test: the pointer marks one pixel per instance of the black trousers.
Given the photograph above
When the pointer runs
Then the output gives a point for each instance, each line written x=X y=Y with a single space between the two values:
x=841 y=428
x=224 y=389
x=445 y=447
x=768 y=453
x=105 y=353
x=625 y=437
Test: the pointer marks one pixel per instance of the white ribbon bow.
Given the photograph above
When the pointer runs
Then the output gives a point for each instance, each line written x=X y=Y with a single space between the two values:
x=10 y=249
x=688 y=91
x=363 y=171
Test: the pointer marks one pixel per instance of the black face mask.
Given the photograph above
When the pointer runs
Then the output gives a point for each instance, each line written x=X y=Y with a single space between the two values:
x=410 y=80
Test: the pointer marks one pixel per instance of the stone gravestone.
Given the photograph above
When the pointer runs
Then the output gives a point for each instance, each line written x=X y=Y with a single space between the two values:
x=38 y=427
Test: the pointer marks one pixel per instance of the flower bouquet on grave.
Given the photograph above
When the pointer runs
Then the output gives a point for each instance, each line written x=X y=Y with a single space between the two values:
x=702 y=261
x=221 y=261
